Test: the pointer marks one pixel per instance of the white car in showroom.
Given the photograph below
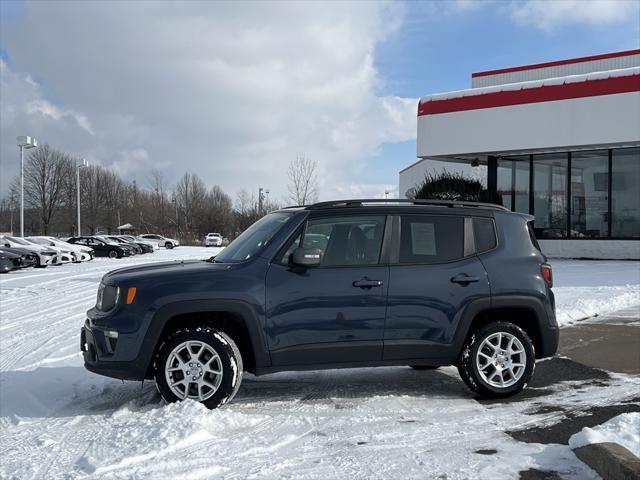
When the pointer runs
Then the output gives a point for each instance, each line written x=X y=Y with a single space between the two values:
x=79 y=253
x=213 y=240
x=45 y=256
x=164 y=241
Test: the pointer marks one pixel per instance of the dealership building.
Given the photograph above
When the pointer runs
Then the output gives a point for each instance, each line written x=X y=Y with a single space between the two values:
x=558 y=140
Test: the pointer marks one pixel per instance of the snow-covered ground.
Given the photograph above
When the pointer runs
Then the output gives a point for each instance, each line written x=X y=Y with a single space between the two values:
x=587 y=288
x=623 y=430
x=59 y=421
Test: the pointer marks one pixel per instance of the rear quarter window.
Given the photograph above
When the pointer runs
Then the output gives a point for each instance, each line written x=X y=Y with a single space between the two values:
x=485 y=234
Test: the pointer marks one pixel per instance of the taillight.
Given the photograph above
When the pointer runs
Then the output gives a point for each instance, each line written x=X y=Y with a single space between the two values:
x=547 y=274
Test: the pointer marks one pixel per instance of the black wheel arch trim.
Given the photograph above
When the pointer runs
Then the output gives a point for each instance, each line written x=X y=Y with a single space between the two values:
x=241 y=309
x=548 y=332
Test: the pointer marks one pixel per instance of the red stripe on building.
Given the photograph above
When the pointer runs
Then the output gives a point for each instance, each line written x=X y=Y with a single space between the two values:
x=545 y=93
x=556 y=63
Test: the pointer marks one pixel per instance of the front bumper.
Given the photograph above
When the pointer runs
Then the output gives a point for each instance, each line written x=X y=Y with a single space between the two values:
x=110 y=357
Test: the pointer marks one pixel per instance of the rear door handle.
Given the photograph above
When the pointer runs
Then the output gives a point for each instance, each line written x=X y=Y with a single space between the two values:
x=367 y=283
x=464 y=278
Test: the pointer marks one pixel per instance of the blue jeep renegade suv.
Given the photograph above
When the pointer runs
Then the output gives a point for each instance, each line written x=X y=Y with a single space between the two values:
x=355 y=283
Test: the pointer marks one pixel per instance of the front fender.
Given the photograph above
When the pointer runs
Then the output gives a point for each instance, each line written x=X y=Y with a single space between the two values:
x=245 y=311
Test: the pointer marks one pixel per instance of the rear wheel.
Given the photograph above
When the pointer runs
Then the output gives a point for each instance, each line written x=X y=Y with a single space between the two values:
x=113 y=254
x=199 y=363
x=497 y=360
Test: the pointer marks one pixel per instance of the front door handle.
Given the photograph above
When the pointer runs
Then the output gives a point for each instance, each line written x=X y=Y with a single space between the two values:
x=464 y=278
x=367 y=283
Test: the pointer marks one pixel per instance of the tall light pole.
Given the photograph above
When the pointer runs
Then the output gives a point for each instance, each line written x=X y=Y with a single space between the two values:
x=79 y=165
x=262 y=194
x=24 y=143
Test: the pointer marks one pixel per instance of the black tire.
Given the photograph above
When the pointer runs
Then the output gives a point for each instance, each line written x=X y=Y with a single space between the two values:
x=168 y=245
x=423 y=367
x=39 y=263
x=468 y=368
x=224 y=346
x=113 y=254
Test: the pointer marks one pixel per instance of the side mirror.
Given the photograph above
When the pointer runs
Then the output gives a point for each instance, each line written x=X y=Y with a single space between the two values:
x=306 y=257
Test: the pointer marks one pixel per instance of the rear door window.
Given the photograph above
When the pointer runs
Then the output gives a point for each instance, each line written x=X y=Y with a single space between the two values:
x=431 y=239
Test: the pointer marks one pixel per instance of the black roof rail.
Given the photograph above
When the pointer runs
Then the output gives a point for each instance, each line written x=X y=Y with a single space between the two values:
x=438 y=203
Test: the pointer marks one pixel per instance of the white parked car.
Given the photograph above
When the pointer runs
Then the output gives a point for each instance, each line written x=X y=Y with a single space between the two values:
x=45 y=256
x=80 y=253
x=213 y=240
x=164 y=241
x=65 y=255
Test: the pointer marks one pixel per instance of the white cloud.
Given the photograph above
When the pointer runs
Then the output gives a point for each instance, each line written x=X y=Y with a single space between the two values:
x=229 y=91
x=549 y=14
x=47 y=109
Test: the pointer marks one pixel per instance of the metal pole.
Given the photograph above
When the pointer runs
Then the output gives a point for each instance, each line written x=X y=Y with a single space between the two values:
x=78 y=193
x=260 y=201
x=21 y=191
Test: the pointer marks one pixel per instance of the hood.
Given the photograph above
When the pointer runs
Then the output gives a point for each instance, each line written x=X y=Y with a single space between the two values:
x=7 y=254
x=185 y=268
x=18 y=250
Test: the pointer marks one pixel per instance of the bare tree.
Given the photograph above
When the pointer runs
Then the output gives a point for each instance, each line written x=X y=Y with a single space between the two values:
x=303 y=180
x=190 y=195
x=44 y=176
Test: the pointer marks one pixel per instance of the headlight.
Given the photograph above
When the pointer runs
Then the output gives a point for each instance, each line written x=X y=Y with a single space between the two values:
x=107 y=297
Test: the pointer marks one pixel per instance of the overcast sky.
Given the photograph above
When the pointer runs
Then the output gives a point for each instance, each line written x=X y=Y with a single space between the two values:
x=234 y=91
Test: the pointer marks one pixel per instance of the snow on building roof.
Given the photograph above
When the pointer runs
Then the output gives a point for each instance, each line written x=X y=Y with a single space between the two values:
x=623 y=72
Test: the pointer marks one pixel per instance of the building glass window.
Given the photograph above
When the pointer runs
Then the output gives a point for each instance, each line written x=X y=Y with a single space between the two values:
x=513 y=182
x=550 y=195
x=589 y=194
x=625 y=193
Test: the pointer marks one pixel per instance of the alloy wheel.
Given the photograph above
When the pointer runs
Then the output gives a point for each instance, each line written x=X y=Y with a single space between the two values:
x=501 y=360
x=193 y=370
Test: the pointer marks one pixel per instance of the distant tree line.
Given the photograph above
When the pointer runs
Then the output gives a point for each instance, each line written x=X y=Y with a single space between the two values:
x=187 y=209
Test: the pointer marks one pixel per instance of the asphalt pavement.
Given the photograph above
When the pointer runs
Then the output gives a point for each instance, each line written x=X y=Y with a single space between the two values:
x=588 y=351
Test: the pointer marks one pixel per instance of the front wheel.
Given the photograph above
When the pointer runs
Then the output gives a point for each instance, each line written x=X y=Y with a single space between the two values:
x=497 y=360
x=113 y=254
x=168 y=245
x=199 y=363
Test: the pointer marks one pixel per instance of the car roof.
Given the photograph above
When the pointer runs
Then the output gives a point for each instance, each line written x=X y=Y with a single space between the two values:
x=404 y=206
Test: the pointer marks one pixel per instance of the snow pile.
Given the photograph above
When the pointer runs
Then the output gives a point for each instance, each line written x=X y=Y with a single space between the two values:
x=623 y=430
x=587 y=288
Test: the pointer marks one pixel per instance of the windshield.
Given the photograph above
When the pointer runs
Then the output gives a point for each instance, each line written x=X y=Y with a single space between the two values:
x=253 y=238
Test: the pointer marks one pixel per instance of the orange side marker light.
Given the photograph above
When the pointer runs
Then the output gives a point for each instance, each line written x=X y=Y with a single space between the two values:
x=131 y=295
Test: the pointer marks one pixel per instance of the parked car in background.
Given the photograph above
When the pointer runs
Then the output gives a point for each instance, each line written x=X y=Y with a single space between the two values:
x=153 y=244
x=45 y=256
x=213 y=240
x=164 y=241
x=101 y=247
x=11 y=261
x=64 y=254
x=145 y=247
x=79 y=253
x=125 y=243
x=133 y=249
